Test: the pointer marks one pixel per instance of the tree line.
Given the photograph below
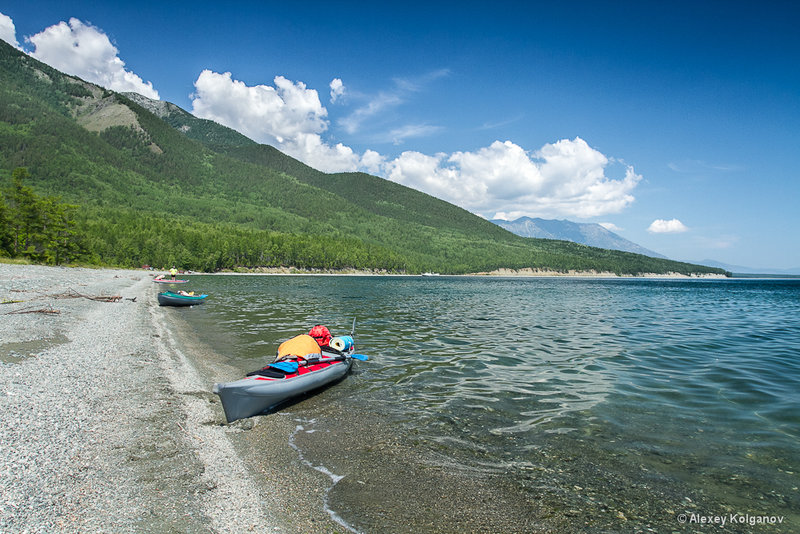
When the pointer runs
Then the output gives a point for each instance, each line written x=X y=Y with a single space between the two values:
x=41 y=229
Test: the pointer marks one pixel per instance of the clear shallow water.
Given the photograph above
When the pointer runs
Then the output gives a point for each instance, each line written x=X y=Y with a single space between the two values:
x=613 y=402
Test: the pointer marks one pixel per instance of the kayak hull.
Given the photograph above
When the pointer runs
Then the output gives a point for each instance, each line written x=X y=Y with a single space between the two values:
x=168 y=298
x=168 y=281
x=254 y=395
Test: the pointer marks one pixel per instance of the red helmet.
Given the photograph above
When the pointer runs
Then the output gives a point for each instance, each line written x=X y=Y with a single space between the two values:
x=321 y=335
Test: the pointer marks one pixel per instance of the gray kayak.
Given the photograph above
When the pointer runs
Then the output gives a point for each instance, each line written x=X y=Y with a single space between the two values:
x=254 y=395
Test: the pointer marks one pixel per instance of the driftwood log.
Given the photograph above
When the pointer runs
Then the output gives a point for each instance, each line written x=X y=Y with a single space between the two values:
x=69 y=294
x=30 y=309
x=72 y=294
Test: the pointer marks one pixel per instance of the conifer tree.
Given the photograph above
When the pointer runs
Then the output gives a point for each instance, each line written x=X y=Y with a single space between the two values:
x=5 y=228
x=40 y=228
x=25 y=220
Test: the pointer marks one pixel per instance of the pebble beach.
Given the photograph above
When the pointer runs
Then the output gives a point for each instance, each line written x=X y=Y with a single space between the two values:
x=109 y=425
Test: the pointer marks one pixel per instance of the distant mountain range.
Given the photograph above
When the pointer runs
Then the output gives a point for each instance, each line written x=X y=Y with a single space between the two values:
x=594 y=235
x=739 y=269
x=591 y=234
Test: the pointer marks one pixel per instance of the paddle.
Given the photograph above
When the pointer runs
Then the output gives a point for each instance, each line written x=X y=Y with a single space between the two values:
x=292 y=367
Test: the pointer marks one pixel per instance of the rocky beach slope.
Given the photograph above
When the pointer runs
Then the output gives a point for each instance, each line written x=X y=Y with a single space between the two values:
x=106 y=424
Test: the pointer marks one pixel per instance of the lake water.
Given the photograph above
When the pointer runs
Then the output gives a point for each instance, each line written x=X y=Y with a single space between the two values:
x=538 y=404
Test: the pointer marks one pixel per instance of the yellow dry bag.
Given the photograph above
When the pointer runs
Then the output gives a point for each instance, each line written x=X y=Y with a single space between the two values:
x=303 y=346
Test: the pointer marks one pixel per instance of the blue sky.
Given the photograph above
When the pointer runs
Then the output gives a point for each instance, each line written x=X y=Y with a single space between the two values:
x=675 y=124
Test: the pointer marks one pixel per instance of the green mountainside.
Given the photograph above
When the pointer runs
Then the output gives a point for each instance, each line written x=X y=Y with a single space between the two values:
x=156 y=185
x=207 y=132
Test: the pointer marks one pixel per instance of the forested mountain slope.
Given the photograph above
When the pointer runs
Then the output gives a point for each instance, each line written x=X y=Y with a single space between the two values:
x=171 y=188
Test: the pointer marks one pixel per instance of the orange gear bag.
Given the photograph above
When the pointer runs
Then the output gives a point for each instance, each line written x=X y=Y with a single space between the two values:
x=302 y=346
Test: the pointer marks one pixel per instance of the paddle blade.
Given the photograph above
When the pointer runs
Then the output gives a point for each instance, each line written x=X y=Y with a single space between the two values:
x=362 y=357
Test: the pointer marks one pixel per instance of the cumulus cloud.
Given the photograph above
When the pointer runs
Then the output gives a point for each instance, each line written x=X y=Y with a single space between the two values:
x=269 y=114
x=312 y=150
x=85 y=51
x=8 y=32
x=337 y=89
x=373 y=162
x=566 y=178
x=287 y=115
x=661 y=226
x=426 y=173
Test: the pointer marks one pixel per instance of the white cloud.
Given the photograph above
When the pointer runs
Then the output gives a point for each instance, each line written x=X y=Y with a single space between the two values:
x=426 y=173
x=387 y=99
x=310 y=149
x=373 y=162
x=500 y=124
x=566 y=178
x=661 y=226
x=287 y=115
x=352 y=123
x=399 y=135
x=337 y=89
x=611 y=227
x=267 y=114
x=85 y=51
x=8 y=32
x=702 y=167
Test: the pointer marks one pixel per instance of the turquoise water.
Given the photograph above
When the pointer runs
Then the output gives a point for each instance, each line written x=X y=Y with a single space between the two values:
x=609 y=404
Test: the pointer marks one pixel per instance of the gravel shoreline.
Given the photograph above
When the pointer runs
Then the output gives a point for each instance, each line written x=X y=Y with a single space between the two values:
x=107 y=425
